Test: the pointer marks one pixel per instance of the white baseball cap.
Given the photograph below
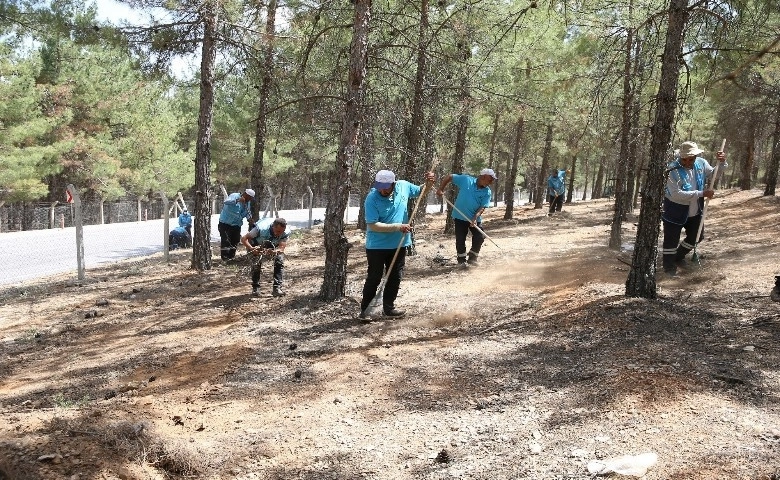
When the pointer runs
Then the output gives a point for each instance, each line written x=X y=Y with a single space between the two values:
x=384 y=179
x=488 y=171
x=250 y=192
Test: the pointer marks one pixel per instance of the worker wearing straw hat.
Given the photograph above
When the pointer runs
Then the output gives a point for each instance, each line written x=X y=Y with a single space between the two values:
x=686 y=189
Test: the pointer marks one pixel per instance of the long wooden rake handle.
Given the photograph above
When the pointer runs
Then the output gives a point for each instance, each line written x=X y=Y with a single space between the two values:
x=482 y=232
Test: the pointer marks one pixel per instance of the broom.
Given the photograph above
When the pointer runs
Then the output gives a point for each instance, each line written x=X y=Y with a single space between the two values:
x=695 y=256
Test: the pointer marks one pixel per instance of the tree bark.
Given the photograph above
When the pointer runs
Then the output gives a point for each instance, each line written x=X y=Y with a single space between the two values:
x=541 y=183
x=261 y=124
x=774 y=162
x=746 y=173
x=621 y=165
x=336 y=244
x=201 y=242
x=509 y=188
x=459 y=155
x=641 y=277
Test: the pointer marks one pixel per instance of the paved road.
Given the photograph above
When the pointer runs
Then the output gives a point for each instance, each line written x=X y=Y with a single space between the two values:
x=39 y=253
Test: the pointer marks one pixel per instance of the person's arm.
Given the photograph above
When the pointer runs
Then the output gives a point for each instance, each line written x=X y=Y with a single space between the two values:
x=444 y=182
x=389 y=227
x=676 y=193
x=245 y=240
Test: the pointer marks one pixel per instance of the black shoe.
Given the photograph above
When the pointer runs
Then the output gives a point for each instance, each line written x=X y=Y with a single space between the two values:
x=255 y=292
x=394 y=313
x=670 y=272
x=278 y=292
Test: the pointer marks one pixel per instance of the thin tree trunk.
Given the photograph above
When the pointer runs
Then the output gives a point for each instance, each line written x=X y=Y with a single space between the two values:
x=585 y=187
x=509 y=195
x=201 y=242
x=541 y=184
x=774 y=162
x=414 y=132
x=572 y=173
x=621 y=166
x=459 y=155
x=746 y=172
x=336 y=243
x=598 y=182
x=261 y=124
x=641 y=277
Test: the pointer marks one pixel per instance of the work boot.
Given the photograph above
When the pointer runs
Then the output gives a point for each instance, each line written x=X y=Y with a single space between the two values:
x=278 y=292
x=472 y=259
x=255 y=290
x=394 y=312
x=775 y=294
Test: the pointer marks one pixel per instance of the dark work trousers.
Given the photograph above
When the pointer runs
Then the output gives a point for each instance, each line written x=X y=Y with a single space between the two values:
x=229 y=238
x=556 y=203
x=674 y=250
x=378 y=262
x=278 y=268
x=462 y=229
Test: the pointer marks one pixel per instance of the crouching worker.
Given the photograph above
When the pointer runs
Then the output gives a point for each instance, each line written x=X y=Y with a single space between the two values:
x=179 y=238
x=267 y=241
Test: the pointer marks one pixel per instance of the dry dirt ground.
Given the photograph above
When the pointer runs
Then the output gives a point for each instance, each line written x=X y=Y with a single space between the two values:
x=529 y=367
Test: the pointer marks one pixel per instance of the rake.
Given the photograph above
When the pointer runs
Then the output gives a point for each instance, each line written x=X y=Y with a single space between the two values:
x=371 y=309
x=695 y=256
x=481 y=232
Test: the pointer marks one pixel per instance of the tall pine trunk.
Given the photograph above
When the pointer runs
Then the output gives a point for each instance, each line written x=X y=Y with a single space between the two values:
x=336 y=244
x=541 y=182
x=621 y=165
x=641 y=277
x=201 y=242
x=509 y=195
x=774 y=162
x=261 y=124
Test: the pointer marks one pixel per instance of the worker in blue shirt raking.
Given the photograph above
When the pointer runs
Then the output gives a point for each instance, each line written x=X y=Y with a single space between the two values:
x=387 y=234
x=556 y=189
x=235 y=209
x=473 y=198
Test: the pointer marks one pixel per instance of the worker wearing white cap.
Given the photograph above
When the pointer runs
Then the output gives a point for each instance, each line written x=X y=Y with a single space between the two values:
x=473 y=198
x=235 y=209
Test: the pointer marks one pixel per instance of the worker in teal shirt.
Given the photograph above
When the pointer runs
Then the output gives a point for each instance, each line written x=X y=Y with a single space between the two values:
x=473 y=198
x=387 y=232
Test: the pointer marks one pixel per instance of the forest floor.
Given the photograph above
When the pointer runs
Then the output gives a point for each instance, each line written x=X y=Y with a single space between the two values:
x=532 y=366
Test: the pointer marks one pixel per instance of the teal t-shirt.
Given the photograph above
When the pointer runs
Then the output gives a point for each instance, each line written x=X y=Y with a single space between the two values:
x=392 y=209
x=470 y=198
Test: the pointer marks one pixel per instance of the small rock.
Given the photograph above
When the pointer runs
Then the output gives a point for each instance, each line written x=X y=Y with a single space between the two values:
x=51 y=457
x=109 y=394
x=293 y=346
x=443 y=456
x=102 y=302
x=298 y=373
